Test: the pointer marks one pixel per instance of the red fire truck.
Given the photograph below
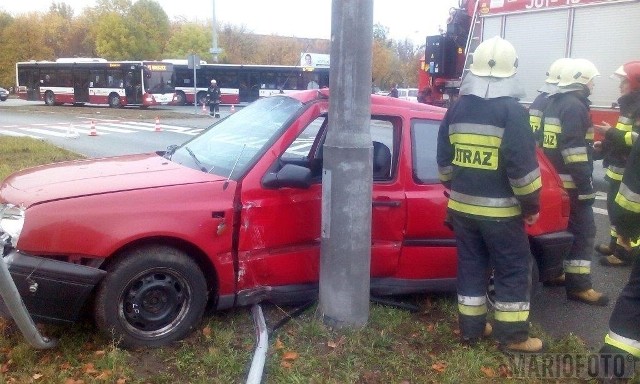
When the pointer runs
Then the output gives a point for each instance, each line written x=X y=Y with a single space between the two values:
x=603 y=31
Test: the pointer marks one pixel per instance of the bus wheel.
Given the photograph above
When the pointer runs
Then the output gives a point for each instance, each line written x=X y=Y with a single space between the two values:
x=114 y=100
x=181 y=99
x=49 y=98
x=202 y=98
x=153 y=296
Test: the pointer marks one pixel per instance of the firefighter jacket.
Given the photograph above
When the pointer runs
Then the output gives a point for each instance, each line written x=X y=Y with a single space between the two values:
x=536 y=110
x=627 y=202
x=568 y=142
x=618 y=141
x=487 y=158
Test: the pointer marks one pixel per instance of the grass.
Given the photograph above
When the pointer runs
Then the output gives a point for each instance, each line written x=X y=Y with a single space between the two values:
x=396 y=346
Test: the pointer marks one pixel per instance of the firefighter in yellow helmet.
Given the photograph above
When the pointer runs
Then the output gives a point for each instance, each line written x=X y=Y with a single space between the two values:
x=487 y=159
x=615 y=150
x=624 y=323
x=550 y=86
x=568 y=143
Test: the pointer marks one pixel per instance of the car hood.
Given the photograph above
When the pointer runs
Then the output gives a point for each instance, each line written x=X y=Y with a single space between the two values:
x=97 y=176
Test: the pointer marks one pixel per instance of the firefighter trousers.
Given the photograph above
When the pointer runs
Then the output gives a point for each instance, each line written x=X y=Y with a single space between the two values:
x=614 y=187
x=503 y=245
x=577 y=264
x=624 y=323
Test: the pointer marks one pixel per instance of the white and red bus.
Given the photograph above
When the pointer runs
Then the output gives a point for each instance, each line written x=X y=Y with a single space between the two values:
x=96 y=81
x=244 y=83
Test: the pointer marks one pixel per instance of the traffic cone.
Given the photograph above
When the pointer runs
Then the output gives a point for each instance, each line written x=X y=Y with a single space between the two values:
x=158 y=129
x=204 y=110
x=93 y=131
x=233 y=108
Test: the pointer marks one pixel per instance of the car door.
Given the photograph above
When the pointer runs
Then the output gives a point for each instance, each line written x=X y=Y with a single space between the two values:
x=279 y=241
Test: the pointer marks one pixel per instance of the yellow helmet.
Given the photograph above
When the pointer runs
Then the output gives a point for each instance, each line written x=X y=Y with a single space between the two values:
x=494 y=57
x=553 y=74
x=578 y=71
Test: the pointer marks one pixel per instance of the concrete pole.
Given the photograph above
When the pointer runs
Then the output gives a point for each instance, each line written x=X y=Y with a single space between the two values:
x=215 y=51
x=347 y=170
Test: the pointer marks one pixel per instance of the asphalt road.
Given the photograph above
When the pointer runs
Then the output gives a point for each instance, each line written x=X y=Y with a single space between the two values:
x=126 y=131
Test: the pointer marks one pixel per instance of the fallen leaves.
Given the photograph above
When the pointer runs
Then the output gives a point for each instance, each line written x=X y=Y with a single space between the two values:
x=439 y=366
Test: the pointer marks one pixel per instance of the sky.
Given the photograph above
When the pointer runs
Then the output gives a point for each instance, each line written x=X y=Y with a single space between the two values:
x=405 y=19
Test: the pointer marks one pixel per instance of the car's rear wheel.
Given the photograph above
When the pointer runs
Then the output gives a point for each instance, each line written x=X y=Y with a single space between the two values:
x=151 y=297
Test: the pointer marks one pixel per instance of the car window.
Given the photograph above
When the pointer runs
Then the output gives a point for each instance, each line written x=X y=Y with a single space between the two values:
x=307 y=148
x=424 y=138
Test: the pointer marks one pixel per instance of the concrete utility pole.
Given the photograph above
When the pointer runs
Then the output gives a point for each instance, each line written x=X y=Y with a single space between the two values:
x=215 y=51
x=347 y=169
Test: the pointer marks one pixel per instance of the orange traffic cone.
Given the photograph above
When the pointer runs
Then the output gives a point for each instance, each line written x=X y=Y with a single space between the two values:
x=233 y=108
x=204 y=110
x=92 y=131
x=158 y=129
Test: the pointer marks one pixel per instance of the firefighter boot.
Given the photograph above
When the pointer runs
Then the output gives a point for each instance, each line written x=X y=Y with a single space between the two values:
x=532 y=344
x=589 y=296
x=613 y=261
x=555 y=282
x=603 y=249
x=471 y=341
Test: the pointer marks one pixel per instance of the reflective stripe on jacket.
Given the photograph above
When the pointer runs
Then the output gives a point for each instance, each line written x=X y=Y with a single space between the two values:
x=486 y=156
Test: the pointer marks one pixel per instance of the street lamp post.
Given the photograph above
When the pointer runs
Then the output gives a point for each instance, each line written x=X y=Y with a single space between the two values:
x=215 y=51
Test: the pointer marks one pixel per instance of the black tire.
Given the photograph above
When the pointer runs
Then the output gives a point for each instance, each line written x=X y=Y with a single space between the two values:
x=201 y=98
x=153 y=296
x=3 y=99
x=181 y=99
x=49 y=98
x=114 y=100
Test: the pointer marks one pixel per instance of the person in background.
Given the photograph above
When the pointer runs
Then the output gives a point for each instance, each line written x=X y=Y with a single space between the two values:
x=615 y=150
x=567 y=143
x=213 y=95
x=550 y=86
x=487 y=159
x=394 y=91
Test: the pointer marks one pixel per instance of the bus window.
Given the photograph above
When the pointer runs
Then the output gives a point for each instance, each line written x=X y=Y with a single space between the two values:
x=115 y=78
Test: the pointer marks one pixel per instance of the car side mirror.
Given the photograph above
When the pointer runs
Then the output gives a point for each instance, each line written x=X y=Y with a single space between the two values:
x=289 y=176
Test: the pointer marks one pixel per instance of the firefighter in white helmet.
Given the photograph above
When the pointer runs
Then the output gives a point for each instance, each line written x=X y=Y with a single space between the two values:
x=487 y=159
x=213 y=95
x=615 y=152
x=549 y=86
x=568 y=143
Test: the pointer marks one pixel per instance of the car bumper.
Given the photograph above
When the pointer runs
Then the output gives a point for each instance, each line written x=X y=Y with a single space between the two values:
x=549 y=251
x=52 y=291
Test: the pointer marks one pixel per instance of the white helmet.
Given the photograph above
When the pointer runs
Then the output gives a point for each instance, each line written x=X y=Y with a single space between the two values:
x=553 y=74
x=578 y=71
x=494 y=57
x=213 y=81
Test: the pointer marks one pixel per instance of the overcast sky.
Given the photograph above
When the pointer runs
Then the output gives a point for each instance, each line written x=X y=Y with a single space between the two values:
x=411 y=19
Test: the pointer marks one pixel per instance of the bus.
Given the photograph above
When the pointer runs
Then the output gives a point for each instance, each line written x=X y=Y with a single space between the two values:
x=96 y=81
x=244 y=83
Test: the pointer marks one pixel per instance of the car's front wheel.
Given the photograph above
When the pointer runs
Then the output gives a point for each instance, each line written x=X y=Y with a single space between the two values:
x=153 y=296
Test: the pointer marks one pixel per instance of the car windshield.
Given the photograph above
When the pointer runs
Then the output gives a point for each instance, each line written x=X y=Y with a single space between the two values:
x=232 y=145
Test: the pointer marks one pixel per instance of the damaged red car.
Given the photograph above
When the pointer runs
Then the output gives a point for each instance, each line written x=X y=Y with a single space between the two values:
x=145 y=243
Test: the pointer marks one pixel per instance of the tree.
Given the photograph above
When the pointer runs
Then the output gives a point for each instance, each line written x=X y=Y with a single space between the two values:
x=238 y=45
x=149 y=24
x=187 y=38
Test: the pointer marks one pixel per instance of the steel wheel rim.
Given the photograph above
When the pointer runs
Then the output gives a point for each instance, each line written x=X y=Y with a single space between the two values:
x=154 y=302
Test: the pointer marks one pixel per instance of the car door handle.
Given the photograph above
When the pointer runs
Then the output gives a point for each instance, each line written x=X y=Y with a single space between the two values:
x=386 y=203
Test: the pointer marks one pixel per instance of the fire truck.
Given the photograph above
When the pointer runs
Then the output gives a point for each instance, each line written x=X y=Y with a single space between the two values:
x=603 y=31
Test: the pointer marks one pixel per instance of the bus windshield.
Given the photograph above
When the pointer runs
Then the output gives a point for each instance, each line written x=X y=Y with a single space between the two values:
x=158 y=81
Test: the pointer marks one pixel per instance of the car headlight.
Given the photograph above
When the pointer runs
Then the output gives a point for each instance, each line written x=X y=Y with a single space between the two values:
x=11 y=221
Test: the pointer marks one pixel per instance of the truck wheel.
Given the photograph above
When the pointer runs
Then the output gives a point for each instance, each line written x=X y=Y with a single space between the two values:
x=49 y=98
x=153 y=296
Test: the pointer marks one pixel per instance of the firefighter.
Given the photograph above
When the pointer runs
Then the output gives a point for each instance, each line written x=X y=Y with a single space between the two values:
x=616 y=147
x=568 y=139
x=213 y=96
x=540 y=102
x=487 y=160
x=624 y=323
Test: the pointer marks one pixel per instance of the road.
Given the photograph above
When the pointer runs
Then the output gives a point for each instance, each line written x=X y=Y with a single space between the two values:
x=134 y=131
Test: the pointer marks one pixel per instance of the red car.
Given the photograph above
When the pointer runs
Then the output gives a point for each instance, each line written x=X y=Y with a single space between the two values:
x=232 y=217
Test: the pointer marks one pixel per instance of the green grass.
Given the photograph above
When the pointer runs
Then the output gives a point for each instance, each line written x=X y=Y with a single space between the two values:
x=396 y=346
